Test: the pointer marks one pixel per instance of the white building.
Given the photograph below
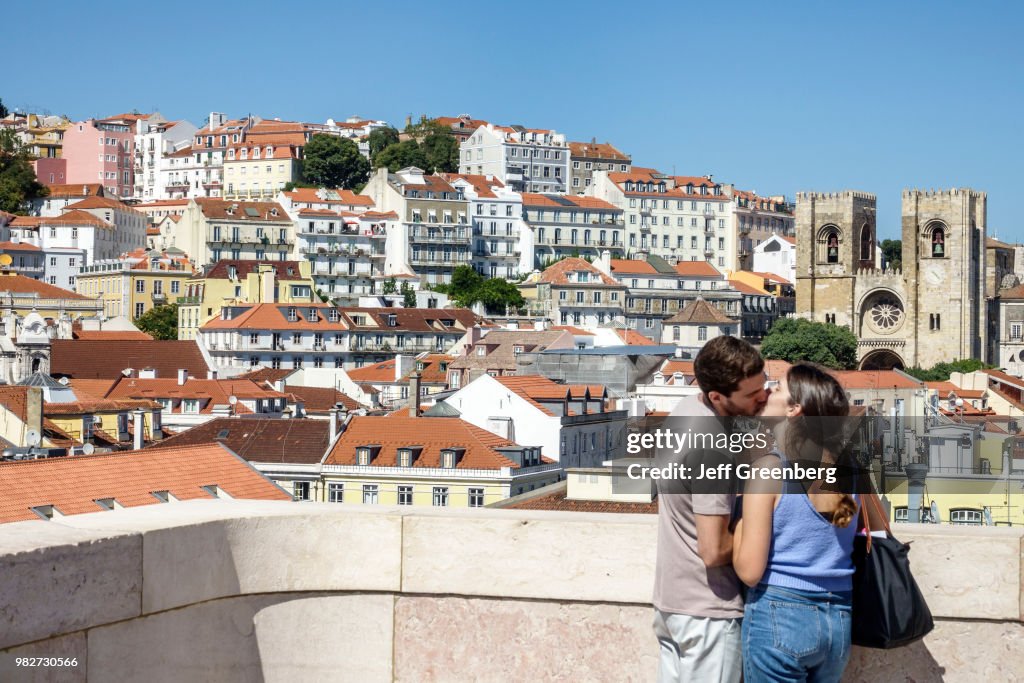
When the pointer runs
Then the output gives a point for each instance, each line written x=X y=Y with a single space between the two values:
x=571 y=423
x=777 y=255
x=574 y=292
x=154 y=140
x=526 y=159
x=679 y=218
x=755 y=219
x=502 y=243
x=215 y=229
x=697 y=324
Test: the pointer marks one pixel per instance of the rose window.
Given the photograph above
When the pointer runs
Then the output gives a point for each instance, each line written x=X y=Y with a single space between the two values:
x=885 y=314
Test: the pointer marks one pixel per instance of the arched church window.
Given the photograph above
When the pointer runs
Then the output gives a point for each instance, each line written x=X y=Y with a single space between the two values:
x=938 y=243
x=832 y=247
x=866 y=247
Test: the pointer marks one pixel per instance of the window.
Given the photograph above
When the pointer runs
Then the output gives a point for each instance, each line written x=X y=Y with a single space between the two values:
x=935 y=321
x=832 y=247
x=335 y=493
x=440 y=496
x=140 y=308
x=476 y=498
x=140 y=286
x=405 y=495
x=190 y=405
x=702 y=333
x=966 y=517
x=300 y=490
x=158 y=287
x=1015 y=330
x=370 y=494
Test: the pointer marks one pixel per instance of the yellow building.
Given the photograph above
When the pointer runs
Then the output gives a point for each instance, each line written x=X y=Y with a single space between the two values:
x=427 y=461
x=137 y=282
x=269 y=158
x=45 y=135
x=231 y=282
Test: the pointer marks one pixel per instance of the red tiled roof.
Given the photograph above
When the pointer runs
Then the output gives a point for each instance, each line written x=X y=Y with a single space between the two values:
x=375 y=373
x=634 y=338
x=697 y=269
x=481 y=183
x=71 y=217
x=94 y=202
x=558 y=500
x=73 y=484
x=14 y=397
x=321 y=399
x=19 y=284
x=259 y=439
x=105 y=359
x=632 y=266
x=308 y=195
x=70 y=190
x=700 y=312
x=91 y=388
x=112 y=335
x=536 y=388
x=283 y=270
x=744 y=288
x=217 y=209
x=532 y=199
x=596 y=150
x=558 y=273
x=875 y=379
x=432 y=434
x=575 y=331
x=18 y=246
x=213 y=391
x=772 y=277
x=262 y=375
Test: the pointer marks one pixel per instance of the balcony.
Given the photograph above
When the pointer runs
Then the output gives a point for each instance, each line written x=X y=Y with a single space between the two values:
x=439 y=236
x=178 y=588
x=439 y=260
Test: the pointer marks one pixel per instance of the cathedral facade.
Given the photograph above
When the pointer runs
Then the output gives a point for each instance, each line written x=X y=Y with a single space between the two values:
x=931 y=311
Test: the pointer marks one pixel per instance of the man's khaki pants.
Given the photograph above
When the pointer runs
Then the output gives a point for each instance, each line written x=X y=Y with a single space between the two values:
x=698 y=649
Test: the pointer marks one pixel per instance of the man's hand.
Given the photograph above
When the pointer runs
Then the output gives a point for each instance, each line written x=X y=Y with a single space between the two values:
x=714 y=541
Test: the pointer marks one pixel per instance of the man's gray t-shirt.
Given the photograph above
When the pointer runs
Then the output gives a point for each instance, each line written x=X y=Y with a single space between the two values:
x=682 y=583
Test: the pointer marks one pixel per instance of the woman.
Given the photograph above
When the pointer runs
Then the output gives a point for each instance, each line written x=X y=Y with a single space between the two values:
x=794 y=541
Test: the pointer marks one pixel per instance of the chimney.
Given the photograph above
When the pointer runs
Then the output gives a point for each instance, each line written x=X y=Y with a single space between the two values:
x=182 y=376
x=414 y=395
x=334 y=425
x=140 y=429
x=34 y=411
x=604 y=262
x=404 y=364
x=211 y=374
x=269 y=285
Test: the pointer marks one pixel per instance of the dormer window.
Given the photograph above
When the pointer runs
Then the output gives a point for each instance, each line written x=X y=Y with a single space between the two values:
x=292 y=316
x=332 y=315
x=407 y=456
x=444 y=366
x=420 y=365
x=313 y=316
x=517 y=349
x=392 y=320
x=363 y=456
x=481 y=351
x=450 y=457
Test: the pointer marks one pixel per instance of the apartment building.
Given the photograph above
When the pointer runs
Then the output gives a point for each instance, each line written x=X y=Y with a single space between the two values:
x=229 y=282
x=215 y=229
x=565 y=225
x=697 y=323
x=158 y=143
x=324 y=336
x=269 y=157
x=587 y=157
x=429 y=461
x=525 y=159
x=575 y=292
x=679 y=218
x=103 y=150
x=433 y=214
x=135 y=283
x=496 y=352
x=462 y=126
x=61 y=196
x=502 y=244
x=776 y=254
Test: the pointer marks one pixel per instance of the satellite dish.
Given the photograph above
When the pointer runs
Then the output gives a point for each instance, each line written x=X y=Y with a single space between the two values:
x=935 y=513
x=6 y=260
x=32 y=438
x=88 y=449
x=232 y=399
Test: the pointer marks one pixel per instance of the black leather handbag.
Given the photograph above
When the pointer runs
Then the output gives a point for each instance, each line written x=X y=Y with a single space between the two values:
x=888 y=608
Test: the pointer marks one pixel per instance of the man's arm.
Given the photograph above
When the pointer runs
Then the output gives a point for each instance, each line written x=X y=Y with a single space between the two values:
x=714 y=541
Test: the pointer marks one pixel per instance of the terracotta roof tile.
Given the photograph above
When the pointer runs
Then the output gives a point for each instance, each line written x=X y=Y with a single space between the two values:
x=218 y=209
x=558 y=273
x=875 y=379
x=308 y=195
x=596 y=150
x=558 y=500
x=105 y=359
x=94 y=202
x=19 y=284
x=697 y=269
x=18 y=246
x=700 y=312
x=634 y=338
x=283 y=270
x=744 y=288
x=71 y=190
x=320 y=400
x=112 y=335
x=259 y=439
x=432 y=434
x=73 y=484
x=567 y=202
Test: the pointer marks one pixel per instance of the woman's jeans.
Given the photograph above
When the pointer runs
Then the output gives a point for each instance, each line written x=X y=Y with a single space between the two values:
x=795 y=635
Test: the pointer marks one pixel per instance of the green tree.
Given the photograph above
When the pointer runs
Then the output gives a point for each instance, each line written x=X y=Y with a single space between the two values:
x=401 y=155
x=380 y=139
x=408 y=296
x=464 y=283
x=496 y=295
x=161 y=322
x=18 y=182
x=390 y=286
x=3 y=110
x=942 y=371
x=442 y=152
x=331 y=161
x=892 y=254
x=796 y=339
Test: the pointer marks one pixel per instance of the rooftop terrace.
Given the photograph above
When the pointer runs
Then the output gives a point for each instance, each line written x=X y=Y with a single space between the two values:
x=263 y=591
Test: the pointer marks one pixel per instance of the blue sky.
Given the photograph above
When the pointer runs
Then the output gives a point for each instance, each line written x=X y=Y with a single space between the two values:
x=774 y=97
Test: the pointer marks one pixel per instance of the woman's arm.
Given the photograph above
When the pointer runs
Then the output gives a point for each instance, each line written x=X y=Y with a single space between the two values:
x=753 y=535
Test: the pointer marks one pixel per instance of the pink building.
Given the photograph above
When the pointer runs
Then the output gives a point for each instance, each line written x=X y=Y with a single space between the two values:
x=102 y=151
x=51 y=171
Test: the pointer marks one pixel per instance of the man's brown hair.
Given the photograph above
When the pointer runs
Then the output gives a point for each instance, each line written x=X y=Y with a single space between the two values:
x=724 y=362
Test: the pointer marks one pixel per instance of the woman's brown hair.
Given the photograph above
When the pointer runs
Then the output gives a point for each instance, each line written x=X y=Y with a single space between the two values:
x=819 y=428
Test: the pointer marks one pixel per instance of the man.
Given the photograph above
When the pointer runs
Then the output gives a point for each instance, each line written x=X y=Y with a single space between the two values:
x=697 y=598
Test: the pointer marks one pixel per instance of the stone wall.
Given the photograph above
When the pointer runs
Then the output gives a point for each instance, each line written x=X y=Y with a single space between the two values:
x=244 y=591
